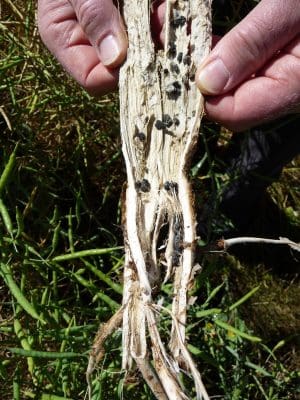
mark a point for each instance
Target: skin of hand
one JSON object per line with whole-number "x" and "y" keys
{"x": 88, "y": 38}
{"x": 251, "y": 76}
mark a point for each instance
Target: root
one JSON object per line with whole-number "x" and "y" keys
{"x": 98, "y": 350}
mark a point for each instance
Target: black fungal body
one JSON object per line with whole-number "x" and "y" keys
{"x": 173, "y": 90}
{"x": 159, "y": 124}
{"x": 177, "y": 242}
{"x": 177, "y": 85}
{"x": 137, "y": 185}
{"x": 141, "y": 136}
{"x": 174, "y": 68}
{"x": 167, "y": 120}
{"x": 171, "y": 52}
{"x": 143, "y": 185}
{"x": 178, "y": 21}
{"x": 169, "y": 185}
{"x": 179, "y": 57}
{"x": 176, "y": 121}
{"x": 187, "y": 60}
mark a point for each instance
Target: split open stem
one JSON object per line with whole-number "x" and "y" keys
{"x": 160, "y": 114}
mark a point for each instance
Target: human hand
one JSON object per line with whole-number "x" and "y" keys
{"x": 253, "y": 73}
{"x": 88, "y": 38}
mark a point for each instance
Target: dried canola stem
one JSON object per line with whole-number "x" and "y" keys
{"x": 160, "y": 113}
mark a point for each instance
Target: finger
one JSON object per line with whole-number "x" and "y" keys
{"x": 157, "y": 22}
{"x": 247, "y": 47}
{"x": 276, "y": 92}
{"x": 64, "y": 37}
{"x": 102, "y": 24}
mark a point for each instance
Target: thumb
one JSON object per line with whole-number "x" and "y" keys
{"x": 102, "y": 24}
{"x": 246, "y": 48}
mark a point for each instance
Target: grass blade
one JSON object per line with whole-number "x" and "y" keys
{"x": 244, "y": 298}
{"x": 46, "y": 396}
{"x": 205, "y": 313}
{"x": 24, "y": 343}
{"x": 103, "y": 277}
{"x": 86, "y": 253}
{"x": 260, "y": 370}
{"x": 6, "y": 218}
{"x": 236, "y": 331}
{"x": 8, "y": 170}
{"x": 17, "y": 293}
{"x": 213, "y": 294}
{"x": 53, "y": 355}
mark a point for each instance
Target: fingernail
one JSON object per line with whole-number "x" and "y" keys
{"x": 213, "y": 77}
{"x": 109, "y": 50}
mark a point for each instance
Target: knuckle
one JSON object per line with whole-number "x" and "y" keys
{"x": 250, "y": 38}
{"x": 88, "y": 13}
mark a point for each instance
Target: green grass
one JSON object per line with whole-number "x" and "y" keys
{"x": 61, "y": 175}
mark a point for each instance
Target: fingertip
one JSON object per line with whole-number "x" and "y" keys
{"x": 220, "y": 109}
{"x": 212, "y": 77}
{"x": 102, "y": 24}
{"x": 100, "y": 81}
{"x": 112, "y": 49}
{"x": 224, "y": 111}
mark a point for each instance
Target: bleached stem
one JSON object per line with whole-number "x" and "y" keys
{"x": 160, "y": 114}
{"x": 224, "y": 244}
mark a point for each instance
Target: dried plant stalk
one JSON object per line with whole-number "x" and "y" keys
{"x": 160, "y": 112}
